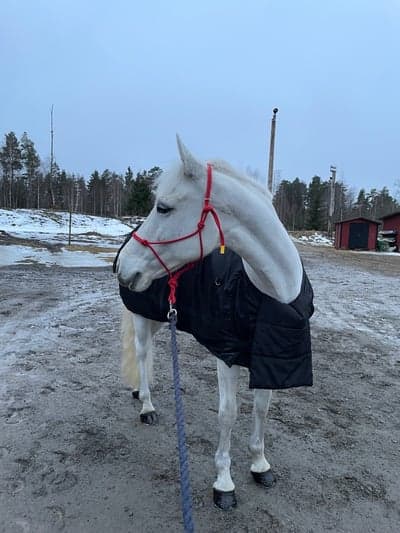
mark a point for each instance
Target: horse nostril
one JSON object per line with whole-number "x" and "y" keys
{"x": 134, "y": 281}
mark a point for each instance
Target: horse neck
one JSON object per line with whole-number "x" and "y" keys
{"x": 253, "y": 230}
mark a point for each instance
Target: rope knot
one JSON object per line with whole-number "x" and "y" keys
{"x": 200, "y": 225}
{"x": 208, "y": 208}
{"x": 173, "y": 284}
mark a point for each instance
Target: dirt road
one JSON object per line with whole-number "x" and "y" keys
{"x": 74, "y": 456}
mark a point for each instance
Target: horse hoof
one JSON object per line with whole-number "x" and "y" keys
{"x": 151, "y": 418}
{"x": 135, "y": 394}
{"x": 225, "y": 500}
{"x": 266, "y": 479}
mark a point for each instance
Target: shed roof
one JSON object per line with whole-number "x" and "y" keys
{"x": 359, "y": 218}
{"x": 395, "y": 213}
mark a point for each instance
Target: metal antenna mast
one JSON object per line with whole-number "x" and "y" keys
{"x": 51, "y": 142}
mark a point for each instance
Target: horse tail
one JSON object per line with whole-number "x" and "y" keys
{"x": 129, "y": 365}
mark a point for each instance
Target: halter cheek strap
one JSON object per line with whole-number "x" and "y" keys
{"x": 173, "y": 277}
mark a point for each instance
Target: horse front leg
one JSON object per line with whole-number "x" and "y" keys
{"x": 260, "y": 468}
{"x": 224, "y": 488}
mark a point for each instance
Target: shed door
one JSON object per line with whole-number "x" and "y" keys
{"x": 358, "y": 237}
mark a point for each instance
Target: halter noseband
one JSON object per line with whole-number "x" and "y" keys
{"x": 173, "y": 277}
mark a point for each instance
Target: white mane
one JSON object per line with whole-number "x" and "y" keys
{"x": 220, "y": 166}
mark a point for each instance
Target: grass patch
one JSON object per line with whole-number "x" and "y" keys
{"x": 93, "y": 249}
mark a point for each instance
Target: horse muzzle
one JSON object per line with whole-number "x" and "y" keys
{"x": 132, "y": 282}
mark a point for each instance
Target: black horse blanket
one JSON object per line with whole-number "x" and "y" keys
{"x": 221, "y": 308}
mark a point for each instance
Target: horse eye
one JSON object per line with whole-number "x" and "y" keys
{"x": 163, "y": 209}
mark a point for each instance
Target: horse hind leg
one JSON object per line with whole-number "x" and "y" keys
{"x": 137, "y": 360}
{"x": 260, "y": 468}
{"x": 224, "y": 488}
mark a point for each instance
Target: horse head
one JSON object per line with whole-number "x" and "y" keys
{"x": 177, "y": 212}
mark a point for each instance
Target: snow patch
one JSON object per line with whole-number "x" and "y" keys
{"x": 50, "y": 227}
{"x": 36, "y": 221}
{"x": 17, "y": 254}
{"x": 316, "y": 239}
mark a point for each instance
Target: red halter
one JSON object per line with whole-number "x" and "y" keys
{"x": 207, "y": 208}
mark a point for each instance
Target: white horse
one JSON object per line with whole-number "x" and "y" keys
{"x": 252, "y": 229}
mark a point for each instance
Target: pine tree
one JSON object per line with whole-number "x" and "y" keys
{"x": 104, "y": 193}
{"x": 343, "y": 202}
{"x": 153, "y": 174}
{"x": 81, "y": 195}
{"x": 141, "y": 199}
{"x": 382, "y": 203}
{"x": 50, "y": 186}
{"x": 116, "y": 190}
{"x": 11, "y": 161}
{"x": 281, "y": 202}
{"x": 128, "y": 179}
{"x": 290, "y": 203}
{"x": 128, "y": 183}
{"x": 298, "y": 195}
{"x": 362, "y": 206}
{"x": 31, "y": 163}
{"x": 93, "y": 192}
{"x": 315, "y": 204}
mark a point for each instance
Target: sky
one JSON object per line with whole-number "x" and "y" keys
{"x": 126, "y": 76}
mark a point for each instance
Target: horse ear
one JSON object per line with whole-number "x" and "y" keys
{"x": 191, "y": 167}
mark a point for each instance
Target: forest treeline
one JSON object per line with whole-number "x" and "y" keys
{"x": 301, "y": 206}
{"x": 28, "y": 182}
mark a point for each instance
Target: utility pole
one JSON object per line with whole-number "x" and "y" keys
{"x": 277, "y": 178}
{"x": 52, "y": 158}
{"x": 271, "y": 150}
{"x": 332, "y": 181}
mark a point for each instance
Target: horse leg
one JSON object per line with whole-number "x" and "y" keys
{"x": 137, "y": 360}
{"x": 260, "y": 468}
{"x": 144, "y": 351}
{"x": 224, "y": 488}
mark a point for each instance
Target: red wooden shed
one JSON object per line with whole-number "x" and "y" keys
{"x": 391, "y": 227}
{"x": 356, "y": 234}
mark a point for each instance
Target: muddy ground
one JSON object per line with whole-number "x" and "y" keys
{"x": 74, "y": 456}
